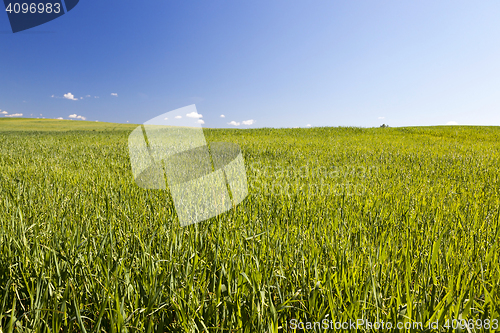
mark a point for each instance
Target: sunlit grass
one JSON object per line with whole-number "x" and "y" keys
{"x": 392, "y": 224}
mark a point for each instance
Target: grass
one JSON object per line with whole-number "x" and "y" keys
{"x": 380, "y": 224}
{"x": 56, "y": 125}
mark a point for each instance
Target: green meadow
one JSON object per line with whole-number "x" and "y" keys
{"x": 393, "y": 225}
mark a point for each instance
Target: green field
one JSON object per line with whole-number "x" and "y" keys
{"x": 381, "y": 224}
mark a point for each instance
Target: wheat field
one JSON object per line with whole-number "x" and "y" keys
{"x": 397, "y": 225}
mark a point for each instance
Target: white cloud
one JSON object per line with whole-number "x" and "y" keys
{"x": 52, "y": 96}
{"x": 81, "y": 97}
{"x": 234, "y": 123}
{"x": 14, "y": 115}
{"x": 201, "y": 121}
{"x": 75, "y": 116}
{"x": 87, "y": 96}
{"x": 4, "y": 112}
{"x": 222, "y": 116}
{"x": 178, "y": 117}
{"x": 381, "y": 117}
{"x": 96, "y": 96}
{"x": 114, "y": 94}
{"x": 70, "y": 96}
{"x": 60, "y": 118}
{"x": 452, "y": 123}
{"x": 248, "y": 122}
{"x": 194, "y": 114}
{"x": 308, "y": 125}
{"x": 166, "y": 118}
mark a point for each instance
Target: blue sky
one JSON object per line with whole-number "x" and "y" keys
{"x": 278, "y": 63}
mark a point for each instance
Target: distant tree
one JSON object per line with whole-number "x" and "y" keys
{"x": 384, "y": 125}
